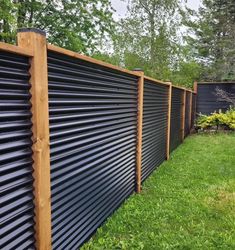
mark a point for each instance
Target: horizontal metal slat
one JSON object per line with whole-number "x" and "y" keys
{"x": 93, "y": 120}
{"x": 77, "y": 181}
{"x": 55, "y": 134}
{"x": 63, "y": 179}
{"x": 72, "y": 66}
{"x": 94, "y": 159}
{"x": 107, "y": 210}
{"x": 87, "y": 184}
{"x": 83, "y": 206}
{"x": 155, "y": 119}
{"x": 17, "y": 208}
{"x": 88, "y": 85}
{"x": 106, "y": 203}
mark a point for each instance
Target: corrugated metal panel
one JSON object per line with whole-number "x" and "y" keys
{"x": 187, "y": 114}
{"x": 154, "y": 126}
{"x": 17, "y": 209}
{"x": 93, "y": 123}
{"x": 193, "y": 114}
{"x": 207, "y": 101}
{"x": 176, "y": 118}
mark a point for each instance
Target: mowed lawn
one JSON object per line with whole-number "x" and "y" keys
{"x": 188, "y": 203}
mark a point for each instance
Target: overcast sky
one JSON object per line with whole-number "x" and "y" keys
{"x": 120, "y": 7}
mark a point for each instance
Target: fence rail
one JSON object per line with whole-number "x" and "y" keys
{"x": 78, "y": 136}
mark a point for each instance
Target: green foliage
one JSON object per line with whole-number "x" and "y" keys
{"x": 213, "y": 39}
{"x": 226, "y": 119}
{"x": 188, "y": 203}
{"x": 187, "y": 73}
{"x": 7, "y": 20}
{"x": 74, "y": 24}
{"x": 147, "y": 38}
{"x": 105, "y": 57}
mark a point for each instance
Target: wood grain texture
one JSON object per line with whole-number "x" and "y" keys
{"x": 41, "y": 149}
{"x": 190, "y": 109}
{"x": 15, "y": 49}
{"x": 169, "y": 122}
{"x": 195, "y": 87}
{"x": 139, "y": 131}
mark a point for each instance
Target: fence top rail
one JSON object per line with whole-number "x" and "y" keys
{"x": 157, "y": 81}
{"x": 178, "y": 87}
{"x": 183, "y": 88}
{"x": 15, "y": 49}
{"x": 228, "y": 82}
{"x": 70, "y": 53}
{"x": 190, "y": 90}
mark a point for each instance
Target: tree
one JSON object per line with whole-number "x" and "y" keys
{"x": 148, "y": 38}
{"x": 7, "y": 21}
{"x": 213, "y": 37}
{"x": 73, "y": 24}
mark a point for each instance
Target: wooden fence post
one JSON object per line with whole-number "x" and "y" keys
{"x": 183, "y": 113}
{"x": 169, "y": 122}
{"x": 139, "y": 131}
{"x": 190, "y": 110}
{"x": 35, "y": 40}
{"x": 195, "y": 86}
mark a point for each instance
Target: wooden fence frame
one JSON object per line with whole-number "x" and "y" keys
{"x": 32, "y": 43}
{"x": 139, "y": 131}
{"x": 190, "y": 109}
{"x": 183, "y": 109}
{"x": 169, "y": 122}
{"x": 35, "y": 41}
{"x": 169, "y": 85}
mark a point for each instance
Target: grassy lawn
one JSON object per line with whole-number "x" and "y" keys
{"x": 188, "y": 203}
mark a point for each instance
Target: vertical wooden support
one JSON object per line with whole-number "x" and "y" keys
{"x": 190, "y": 109}
{"x": 35, "y": 40}
{"x": 168, "y": 122}
{"x": 139, "y": 131}
{"x": 195, "y": 86}
{"x": 183, "y": 114}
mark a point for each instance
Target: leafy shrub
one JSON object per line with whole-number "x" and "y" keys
{"x": 226, "y": 120}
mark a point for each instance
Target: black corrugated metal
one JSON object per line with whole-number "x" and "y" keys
{"x": 17, "y": 209}
{"x": 176, "y": 118}
{"x": 193, "y": 113}
{"x": 93, "y": 122}
{"x": 187, "y": 114}
{"x": 154, "y": 126}
{"x": 207, "y": 101}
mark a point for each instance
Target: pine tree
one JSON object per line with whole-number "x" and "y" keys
{"x": 215, "y": 39}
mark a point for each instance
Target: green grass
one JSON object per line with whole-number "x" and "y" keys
{"x": 188, "y": 203}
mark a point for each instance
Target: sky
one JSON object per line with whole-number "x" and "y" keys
{"x": 121, "y": 7}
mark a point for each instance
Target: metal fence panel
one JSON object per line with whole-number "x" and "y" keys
{"x": 208, "y": 102}
{"x": 155, "y": 117}
{"x": 93, "y": 122}
{"x": 176, "y": 118}
{"x": 187, "y": 114}
{"x": 17, "y": 209}
{"x": 193, "y": 113}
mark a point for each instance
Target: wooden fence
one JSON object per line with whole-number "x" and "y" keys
{"x": 78, "y": 136}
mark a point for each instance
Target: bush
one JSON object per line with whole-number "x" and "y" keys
{"x": 225, "y": 120}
